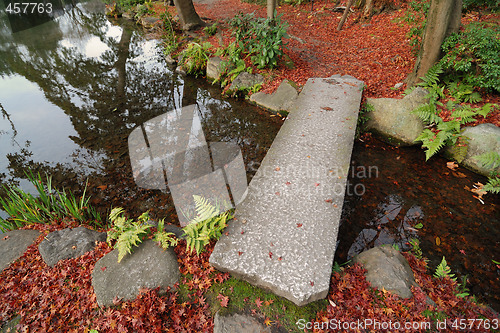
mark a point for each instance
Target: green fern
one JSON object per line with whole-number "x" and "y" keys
{"x": 427, "y": 113}
{"x": 207, "y": 225}
{"x": 126, "y": 232}
{"x": 432, "y": 142}
{"x": 465, "y": 115}
{"x": 485, "y": 110}
{"x": 443, "y": 270}
{"x": 493, "y": 185}
{"x": 490, "y": 159}
{"x": 164, "y": 239}
{"x": 432, "y": 76}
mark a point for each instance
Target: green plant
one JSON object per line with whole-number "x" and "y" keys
{"x": 127, "y": 232}
{"x": 211, "y": 29}
{"x": 416, "y": 16}
{"x": 415, "y": 248}
{"x": 207, "y": 225}
{"x": 363, "y": 118}
{"x": 469, "y": 5}
{"x": 440, "y": 132}
{"x": 261, "y": 38}
{"x": 443, "y": 271}
{"x": 25, "y": 208}
{"x": 194, "y": 58}
{"x": 164, "y": 239}
{"x": 472, "y": 56}
{"x": 170, "y": 40}
{"x": 491, "y": 160}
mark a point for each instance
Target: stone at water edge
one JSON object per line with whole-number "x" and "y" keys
{"x": 238, "y": 323}
{"x": 245, "y": 80}
{"x": 387, "y": 268}
{"x": 13, "y": 244}
{"x": 214, "y": 68}
{"x": 69, "y": 243}
{"x": 149, "y": 266}
{"x": 281, "y": 100}
{"x": 484, "y": 138}
{"x": 284, "y": 235}
{"x": 391, "y": 118}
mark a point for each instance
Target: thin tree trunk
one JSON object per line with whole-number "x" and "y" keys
{"x": 346, "y": 11}
{"x": 367, "y": 12}
{"x": 188, "y": 17}
{"x": 443, "y": 19}
{"x": 271, "y": 7}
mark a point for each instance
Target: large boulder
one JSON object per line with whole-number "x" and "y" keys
{"x": 281, "y": 100}
{"x": 484, "y": 138}
{"x": 238, "y": 323}
{"x": 392, "y": 120}
{"x": 388, "y": 269}
{"x": 68, "y": 243}
{"x": 13, "y": 244}
{"x": 148, "y": 266}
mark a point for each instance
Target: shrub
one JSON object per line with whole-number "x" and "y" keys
{"x": 477, "y": 4}
{"x": 261, "y": 38}
{"x": 194, "y": 58}
{"x": 473, "y": 56}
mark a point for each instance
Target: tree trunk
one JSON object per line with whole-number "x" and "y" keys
{"x": 443, "y": 19}
{"x": 344, "y": 16}
{"x": 271, "y": 7}
{"x": 367, "y": 11}
{"x": 188, "y": 17}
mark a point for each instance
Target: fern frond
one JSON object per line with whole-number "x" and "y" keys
{"x": 165, "y": 239}
{"x": 465, "y": 115}
{"x": 433, "y": 142}
{"x": 204, "y": 209}
{"x": 489, "y": 160}
{"x": 493, "y": 185}
{"x": 485, "y": 110}
{"x": 128, "y": 239}
{"x": 432, "y": 76}
{"x": 452, "y": 126}
{"x": 427, "y": 113}
{"x": 443, "y": 270}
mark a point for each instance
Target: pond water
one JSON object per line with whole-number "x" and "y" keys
{"x": 74, "y": 88}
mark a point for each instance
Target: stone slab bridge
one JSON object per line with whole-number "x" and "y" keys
{"x": 284, "y": 234}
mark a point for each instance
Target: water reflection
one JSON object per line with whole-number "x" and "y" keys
{"x": 73, "y": 89}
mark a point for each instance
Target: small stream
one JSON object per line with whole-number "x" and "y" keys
{"x": 75, "y": 86}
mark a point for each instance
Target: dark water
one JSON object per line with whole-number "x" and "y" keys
{"x": 409, "y": 191}
{"x": 73, "y": 89}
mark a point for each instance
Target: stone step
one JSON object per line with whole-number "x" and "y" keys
{"x": 284, "y": 234}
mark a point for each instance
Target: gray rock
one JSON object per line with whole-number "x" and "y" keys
{"x": 68, "y": 243}
{"x": 214, "y": 68}
{"x": 284, "y": 235}
{"x": 170, "y": 61}
{"x": 149, "y": 22}
{"x": 180, "y": 70}
{"x": 398, "y": 85}
{"x": 13, "y": 244}
{"x": 388, "y": 269}
{"x": 282, "y": 99}
{"x": 245, "y": 80}
{"x": 237, "y": 323}
{"x": 10, "y": 326}
{"x": 484, "y": 138}
{"x": 148, "y": 266}
{"x": 391, "y": 118}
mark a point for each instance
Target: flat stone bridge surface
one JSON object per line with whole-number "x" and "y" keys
{"x": 284, "y": 234}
